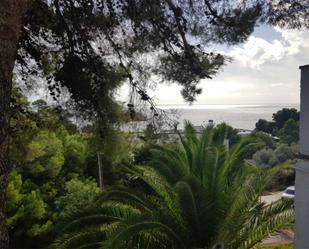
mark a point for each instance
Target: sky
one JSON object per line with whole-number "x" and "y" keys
{"x": 264, "y": 70}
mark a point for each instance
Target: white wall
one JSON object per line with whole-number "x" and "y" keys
{"x": 302, "y": 169}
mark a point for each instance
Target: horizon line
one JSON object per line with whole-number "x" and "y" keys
{"x": 252, "y": 104}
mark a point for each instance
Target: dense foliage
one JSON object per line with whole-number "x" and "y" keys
{"x": 285, "y": 125}
{"x": 55, "y": 167}
{"x": 199, "y": 195}
{"x": 280, "y": 137}
{"x": 60, "y": 35}
{"x": 268, "y": 157}
{"x": 87, "y": 48}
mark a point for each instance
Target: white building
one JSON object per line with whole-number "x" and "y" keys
{"x": 302, "y": 169}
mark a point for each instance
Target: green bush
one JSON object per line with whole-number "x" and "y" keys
{"x": 265, "y": 158}
{"x": 27, "y": 211}
{"x": 289, "y": 132}
{"x": 78, "y": 194}
{"x": 285, "y": 152}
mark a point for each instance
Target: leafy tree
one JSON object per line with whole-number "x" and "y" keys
{"x": 52, "y": 117}
{"x": 282, "y": 116}
{"x": 60, "y": 39}
{"x": 266, "y": 138}
{"x": 231, "y": 134}
{"x": 27, "y": 211}
{"x": 24, "y": 127}
{"x": 270, "y": 157}
{"x": 45, "y": 155}
{"x": 289, "y": 132}
{"x": 47, "y": 151}
{"x": 284, "y": 152}
{"x": 203, "y": 195}
{"x": 117, "y": 148}
{"x": 76, "y": 150}
{"x": 78, "y": 194}
{"x": 50, "y": 163}
{"x": 289, "y": 14}
{"x": 265, "y": 158}
{"x": 265, "y": 126}
{"x": 284, "y": 124}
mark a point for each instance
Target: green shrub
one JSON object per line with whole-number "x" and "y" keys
{"x": 78, "y": 194}
{"x": 265, "y": 158}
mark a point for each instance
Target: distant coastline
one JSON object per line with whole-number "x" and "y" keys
{"x": 239, "y": 116}
{"x": 223, "y": 106}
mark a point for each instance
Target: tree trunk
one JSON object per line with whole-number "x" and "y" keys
{"x": 11, "y": 12}
{"x": 100, "y": 172}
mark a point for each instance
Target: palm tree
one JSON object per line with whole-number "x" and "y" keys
{"x": 202, "y": 195}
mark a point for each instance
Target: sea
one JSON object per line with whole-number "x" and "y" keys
{"x": 238, "y": 116}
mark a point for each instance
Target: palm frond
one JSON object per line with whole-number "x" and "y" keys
{"x": 202, "y": 194}
{"x": 130, "y": 229}
{"x": 189, "y": 207}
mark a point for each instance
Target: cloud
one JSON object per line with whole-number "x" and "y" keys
{"x": 264, "y": 70}
{"x": 258, "y": 51}
{"x": 296, "y": 40}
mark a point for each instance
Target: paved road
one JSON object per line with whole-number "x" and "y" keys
{"x": 271, "y": 198}
{"x": 282, "y": 237}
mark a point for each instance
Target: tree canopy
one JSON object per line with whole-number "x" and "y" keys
{"x": 90, "y": 46}
{"x": 285, "y": 125}
{"x": 199, "y": 195}
{"x": 54, "y": 170}
{"x": 282, "y": 116}
{"x": 86, "y": 48}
